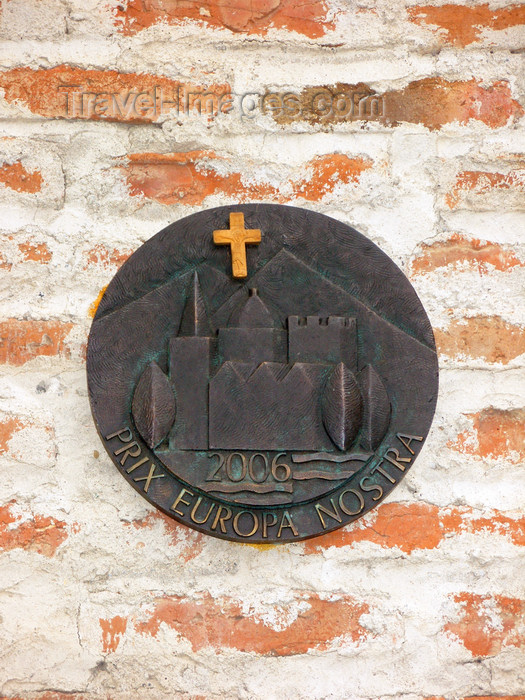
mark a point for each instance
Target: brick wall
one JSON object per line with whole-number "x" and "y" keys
{"x": 102, "y": 597}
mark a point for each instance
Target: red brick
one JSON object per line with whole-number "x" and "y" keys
{"x": 38, "y": 534}
{"x": 488, "y": 623}
{"x": 407, "y": 527}
{"x": 461, "y": 25}
{"x": 495, "y": 433}
{"x": 112, "y": 632}
{"x": 307, "y": 18}
{"x": 432, "y": 102}
{"x": 22, "y": 451}
{"x": 42, "y": 92}
{"x": 221, "y": 624}
{"x": 16, "y": 177}
{"x": 21, "y": 341}
{"x": 189, "y": 178}
{"x": 479, "y": 182}
{"x": 327, "y": 172}
{"x": 489, "y": 338}
{"x": 101, "y": 255}
{"x": 9, "y": 425}
{"x": 29, "y": 250}
{"x": 37, "y": 252}
{"x": 459, "y": 251}
{"x": 418, "y": 526}
{"x": 497, "y": 524}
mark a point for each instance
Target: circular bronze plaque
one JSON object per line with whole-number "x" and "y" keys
{"x": 262, "y": 373}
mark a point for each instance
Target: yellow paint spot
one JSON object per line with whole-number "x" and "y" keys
{"x": 94, "y": 306}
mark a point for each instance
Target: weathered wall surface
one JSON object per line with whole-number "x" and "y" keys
{"x": 101, "y": 596}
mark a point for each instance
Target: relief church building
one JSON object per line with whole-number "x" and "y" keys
{"x": 254, "y": 385}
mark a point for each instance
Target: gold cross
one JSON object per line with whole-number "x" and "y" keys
{"x": 237, "y": 237}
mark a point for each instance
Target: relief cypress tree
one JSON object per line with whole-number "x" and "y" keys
{"x": 376, "y": 413}
{"x": 153, "y": 407}
{"x": 342, "y": 406}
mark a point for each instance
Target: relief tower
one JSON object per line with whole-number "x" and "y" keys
{"x": 191, "y": 353}
{"x": 254, "y": 385}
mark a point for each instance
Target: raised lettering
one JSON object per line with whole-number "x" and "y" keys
{"x": 397, "y": 459}
{"x": 193, "y": 514}
{"x": 237, "y": 467}
{"x": 402, "y": 439}
{"x": 214, "y": 475}
{"x": 236, "y": 523}
{"x": 127, "y": 450}
{"x": 251, "y": 468}
{"x": 230, "y": 472}
{"x": 359, "y": 498}
{"x": 148, "y": 479}
{"x": 266, "y": 522}
{"x": 221, "y": 519}
{"x": 119, "y": 435}
{"x": 379, "y": 468}
{"x": 286, "y": 521}
{"x": 136, "y": 465}
{"x": 371, "y": 487}
{"x": 180, "y": 499}
{"x": 285, "y": 472}
{"x": 333, "y": 514}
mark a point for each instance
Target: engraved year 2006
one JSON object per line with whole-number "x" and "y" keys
{"x": 236, "y": 467}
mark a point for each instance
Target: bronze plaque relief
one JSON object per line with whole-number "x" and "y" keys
{"x": 262, "y": 373}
